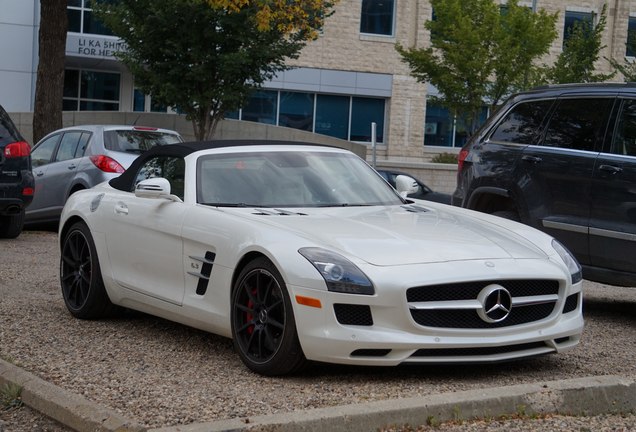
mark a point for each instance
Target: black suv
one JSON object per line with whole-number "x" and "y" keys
{"x": 562, "y": 159}
{"x": 16, "y": 179}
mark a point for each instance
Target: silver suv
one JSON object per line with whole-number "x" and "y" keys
{"x": 81, "y": 157}
{"x": 562, "y": 159}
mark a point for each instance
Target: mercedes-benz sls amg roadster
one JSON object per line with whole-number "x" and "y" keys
{"x": 303, "y": 253}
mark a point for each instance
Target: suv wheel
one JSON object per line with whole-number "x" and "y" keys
{"x": 11, "y": 225}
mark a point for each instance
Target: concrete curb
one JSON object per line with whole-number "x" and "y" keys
{"x": 580, "y": 396}
{"x": 68, "y": 408}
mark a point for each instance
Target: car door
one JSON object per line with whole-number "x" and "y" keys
{"x": 613, "y": 210}
{"x": 41, "y": 157}
{"x": 143, "y": 236}
{"x": 555, "y": 177}
{"x": 55, "y": 179}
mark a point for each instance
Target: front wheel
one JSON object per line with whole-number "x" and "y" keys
{"x": 80, "y": 276}
{"x": 263, "y": 326}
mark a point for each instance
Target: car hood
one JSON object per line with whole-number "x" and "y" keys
{"x": 401, "y": 234}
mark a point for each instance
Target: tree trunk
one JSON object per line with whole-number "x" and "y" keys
{"x": 49, "y": 87}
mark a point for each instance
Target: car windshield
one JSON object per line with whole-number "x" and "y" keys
{"x": 290, "y": 179}
{"x": 137, "y": 141}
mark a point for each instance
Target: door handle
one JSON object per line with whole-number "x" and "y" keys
{"x": 71, "y": 167}
{"x": 39, "y": 173}
{"x": 121, "y": 208}
{"x": 610, "y": 169}
{"x": 531, "y": 159}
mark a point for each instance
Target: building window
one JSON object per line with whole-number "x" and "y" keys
{"x": 630, "y": 50}
{"x": 442, "y": 129}
{"x": 261, "y": 107}
{"x": 82, "y": 20}
{"x": 332, "y": 115}
{"x": 365, "y": 111}
{"x": 91, "y": 90}
{"x": 319, "y": 113}
{"x": 297, "y": 110}
{"x": 378, "y": 17}
{"x": 584, "y": 20}
{"x": 144, "y": 103}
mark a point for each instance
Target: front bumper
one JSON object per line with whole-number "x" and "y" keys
{"x": 381, "y": 329}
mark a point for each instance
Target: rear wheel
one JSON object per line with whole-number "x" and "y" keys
{"x": 11, "y": 225}
{"x": 263, "y": 326}
{"x": 80, "y": 276}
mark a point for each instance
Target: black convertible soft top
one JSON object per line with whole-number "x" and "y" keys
{"x": 126, "y": 181}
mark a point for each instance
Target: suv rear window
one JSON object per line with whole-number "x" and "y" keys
{"x": 521, "y": 125}
{"x": 137, "y": 141}
{"x": 8, "y": 131}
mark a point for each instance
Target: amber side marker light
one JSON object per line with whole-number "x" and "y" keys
{"x": 308, "y": 301}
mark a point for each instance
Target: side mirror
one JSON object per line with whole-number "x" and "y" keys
{"x": 406, "y": 185}
{"x": 157, "y": 187}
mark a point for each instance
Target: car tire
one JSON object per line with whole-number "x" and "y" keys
{"x": 508, "y": 214}
{"x": 11, "y": 225}
{"x": 80, "y": 275}
{"x": 263, "y": 326}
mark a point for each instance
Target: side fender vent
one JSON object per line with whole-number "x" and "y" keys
{"x": 206, "y": 270}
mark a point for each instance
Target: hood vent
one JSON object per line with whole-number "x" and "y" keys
{"x": 277, "y": 212}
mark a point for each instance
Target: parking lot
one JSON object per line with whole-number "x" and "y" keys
{"x": 165, "y": 374}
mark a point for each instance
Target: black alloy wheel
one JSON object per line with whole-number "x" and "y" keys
{"x": 263, "y": 324}
{"x": 80, "y": 276}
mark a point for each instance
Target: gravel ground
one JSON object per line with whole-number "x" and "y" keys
{"x": 165, "y": 374}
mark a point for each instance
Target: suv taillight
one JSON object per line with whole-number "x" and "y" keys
{"x": 460, "y": 159}
{"x": 107, "y": 164}
{"x": 17, "y": 149}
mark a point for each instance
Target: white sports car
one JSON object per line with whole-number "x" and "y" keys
{"x": 303, "y": 252}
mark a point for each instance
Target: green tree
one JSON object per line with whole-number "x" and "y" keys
{"x": 576, "y": 63}
{"x": 479, "y": 51}
{"x": 202, "y": 60}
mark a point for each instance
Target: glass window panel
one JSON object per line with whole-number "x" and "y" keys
{"x": 74, "y": 20}
{"x": 98, "y": 106}
{"x": 521, "y": 125}
{"x": 332, "y": 116}
{"x": 438, "y": 128}
{"x": 69, "y": 104}
{"x": 139, "y": 101}
{"x": 41, "y": 155}
{"x": 261, "y": 107}
{"x": 83, "y": 143}
{"x": 157, "y": 107}
{"x": 578, "y": 123}
{"x": 71, "y": 83}
{"x": 73, "y": 3}
{"x": 68, "y": 146}
{"x": 585, "y": 19}
{"x": 625, "y": 140}
{"x": 94, "y": 26}
{"x": 377, "y": 17}
{"x": 234, "y": 115}
{"x": 100, "y": 85}
{"x": 631, "y": 37}
{"x": 365, "y": 111}
{"x": 296, "y": 110}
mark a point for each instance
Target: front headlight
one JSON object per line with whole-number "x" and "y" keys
{"x": 340, "y": 274}
{"x": 573, "y": 265}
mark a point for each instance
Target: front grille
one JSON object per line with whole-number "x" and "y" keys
{"x": 483, "y": 351}
{"x": 460, "y": 318}
{"x": 470, "y": 290}
{"x": 534, "y": 306}
{"x": 349, "y": 314}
